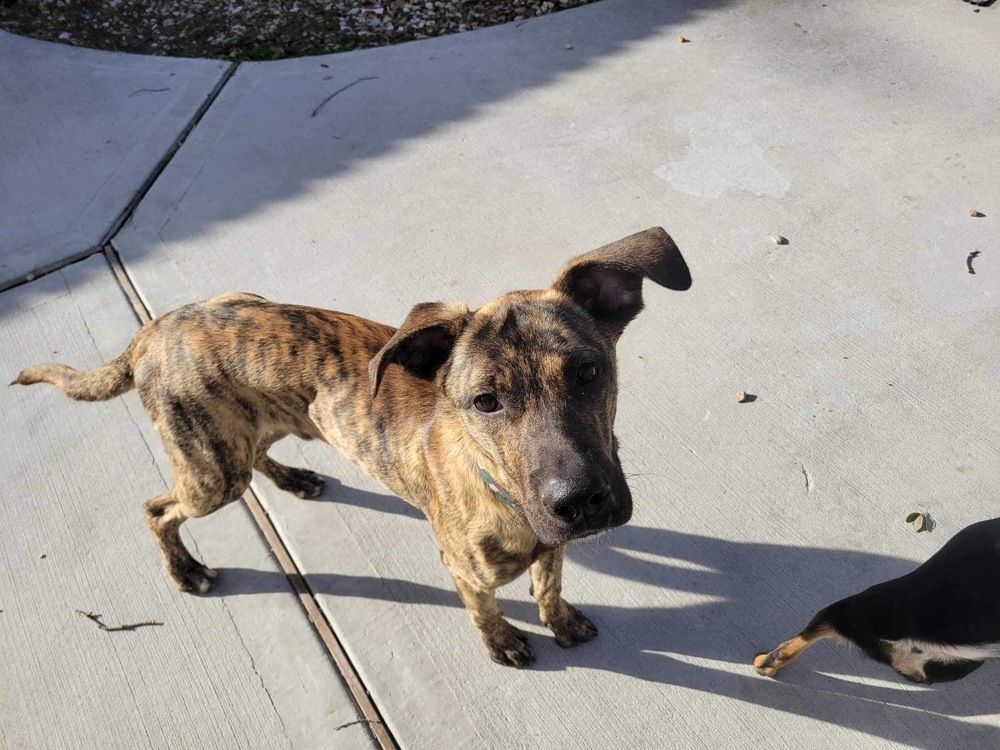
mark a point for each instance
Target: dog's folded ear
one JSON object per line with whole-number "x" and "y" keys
{"x": 607, "y": 282}
{"x": 423, "y": 343}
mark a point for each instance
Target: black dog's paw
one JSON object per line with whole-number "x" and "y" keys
{"x": 300, "y": 482}
{"x": 510, "y": 648}
{"x": 768, "y": 663}
{"x": 572, "y": 627}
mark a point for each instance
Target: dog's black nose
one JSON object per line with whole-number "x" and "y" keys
{"x": 572, "y": 503}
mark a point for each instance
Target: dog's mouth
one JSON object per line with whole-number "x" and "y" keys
{"x": 553, "y": 530}
{"x": 617, "y": 515}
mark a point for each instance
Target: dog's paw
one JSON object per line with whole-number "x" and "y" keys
{"x": 301, "y": 483}
{"x": 768, "y": 663}
{"x": 571, "y": 627}
{"x": 511, "y": 649}
{"x": 195, "y": 578}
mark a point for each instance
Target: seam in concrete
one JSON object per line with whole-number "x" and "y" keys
{"x": 307, "y": 599}
{"x": 253, "y": 665}
{"x": 126, "y": 215}
{"x": 50, "y": 268}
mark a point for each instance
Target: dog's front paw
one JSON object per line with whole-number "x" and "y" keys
{"x": 571, "y": 627}
{"x": 768, "y": 663}
{"x": 510, "y": 648}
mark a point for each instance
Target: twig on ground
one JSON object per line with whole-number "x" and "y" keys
{"x": 113, "y": 628}
{"x": 338, "y": 91}
{"x": 147, "y": 91}
{"x": 359, "y": 721}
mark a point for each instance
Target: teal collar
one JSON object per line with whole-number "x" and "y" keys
{"x": 495, "y": 487}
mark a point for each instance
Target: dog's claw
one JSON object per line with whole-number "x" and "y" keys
{"x": 572, "y": 628}
{"x": 512, "y": 650}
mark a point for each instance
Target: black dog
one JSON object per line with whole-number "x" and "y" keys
{"x": 936, "y": 624}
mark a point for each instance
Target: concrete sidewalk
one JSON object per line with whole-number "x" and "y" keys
{"x": 464, "y": 166}
{"x": 80, "y": 132}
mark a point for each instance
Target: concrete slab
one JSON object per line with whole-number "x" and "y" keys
{"x": 474, "y": 164}
{"x": 80, "y": 131}
{"x": 225, "y": 671}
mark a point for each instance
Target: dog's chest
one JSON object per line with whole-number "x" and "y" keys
{"x": 496, "y": 560}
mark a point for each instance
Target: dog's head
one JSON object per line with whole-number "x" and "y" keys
{"x": 532, "y": 376}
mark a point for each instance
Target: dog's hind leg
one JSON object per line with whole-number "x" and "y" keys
{"x": 300, "y": 482}
{"x": 768, "y": 664}
{"x": 211, "y": 462}
{"x": 164, "y": 517}
{"x": 567, "y": 623}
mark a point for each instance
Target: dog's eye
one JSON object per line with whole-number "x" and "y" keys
{"x": 586, "y": 373}
{"x": 486, "y": 403}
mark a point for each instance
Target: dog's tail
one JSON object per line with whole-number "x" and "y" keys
{"x": 107, "y": 381}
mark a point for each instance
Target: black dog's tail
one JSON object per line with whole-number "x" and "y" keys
{"x": 99, "y": 384}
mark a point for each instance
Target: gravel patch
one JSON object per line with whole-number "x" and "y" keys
{"x": 256, "y": 29}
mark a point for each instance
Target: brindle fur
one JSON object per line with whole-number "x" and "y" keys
{"x": 223, "y": 379}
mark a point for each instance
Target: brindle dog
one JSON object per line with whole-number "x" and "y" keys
{"x": 497, "y": 423}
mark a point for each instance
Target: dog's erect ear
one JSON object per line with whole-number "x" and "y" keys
{"x": 423, "y": 343}
{"x": 607, "y": 282}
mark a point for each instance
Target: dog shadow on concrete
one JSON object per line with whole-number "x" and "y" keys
{"x": 734, "y": 599}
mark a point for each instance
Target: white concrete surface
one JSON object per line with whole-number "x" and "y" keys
{"x": 80, "y": 131}
{"x": 863, "y": 132}
{"x": 223, "y": 671}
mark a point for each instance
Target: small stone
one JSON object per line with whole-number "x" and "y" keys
{"x": 740, "y": 396}
{"x": 777, "y": 239}
{"x": 683, "y": 39}
{"x": 920, "y": 521}
{"x": 42, "y": 556}
{"x": 30, "y": 277}
{"x": 975, "y": 214}
{"x": 569, "y": 46}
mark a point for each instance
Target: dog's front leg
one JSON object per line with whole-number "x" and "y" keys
{"x": 569, "y": 624}
{"x": 506, "y": 644}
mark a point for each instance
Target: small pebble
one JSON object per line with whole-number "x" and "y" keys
{"x": 740, "y": 396}
{"x": 920, "y": 522}
{"x": 974, "y": 213}
{"x": 30, "y": 277}
{"x": 569, "y": 46}
{"x": 42, "y": 556}
{"x": 683, "y": 39}
{"x": 777, "y": 239}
